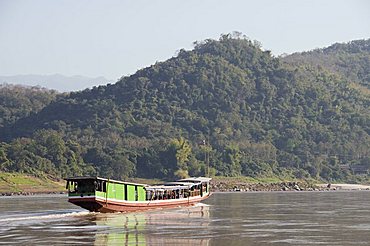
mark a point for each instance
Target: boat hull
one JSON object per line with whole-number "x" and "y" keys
{"x": 98, "y": 204}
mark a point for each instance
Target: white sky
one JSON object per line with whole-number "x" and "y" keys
{"x": 116, "y": 38}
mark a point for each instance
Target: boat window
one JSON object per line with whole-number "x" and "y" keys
{"x": 136, "y": 193}
{"x": 148, "y": 195}
{"x": 82, "y": 186}
{"x": 100, "y": 185}
{"x": 186, "y": 193}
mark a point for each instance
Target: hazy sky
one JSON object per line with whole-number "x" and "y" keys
{"x": 116, "y": 38}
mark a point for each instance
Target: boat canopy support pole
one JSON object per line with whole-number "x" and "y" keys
{"x": 106, "y": 194}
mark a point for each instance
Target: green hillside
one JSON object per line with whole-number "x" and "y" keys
{"x": 18, "y": 102}
{"x": 259, "y": 115}
{"x": 25, "y": 184}
{"x": 350, "y": 60}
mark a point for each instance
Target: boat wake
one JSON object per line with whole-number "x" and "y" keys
{"x": 201, "y": 205}
{"x": 46, "y": 217}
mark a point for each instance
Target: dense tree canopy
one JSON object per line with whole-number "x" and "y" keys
{"x": 18, "y": 102}
{"x": 227, "y": 100}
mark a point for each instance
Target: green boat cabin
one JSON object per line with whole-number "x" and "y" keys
{"x": 126, "y": 191}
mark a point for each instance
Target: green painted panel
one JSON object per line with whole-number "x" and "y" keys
{"x": 74, "y": 194}
{"x": 131, "y": 193}
{"x": 100, "y": 194}
{"x": 141, "y": 193}
{"x": 115, "y": 191}
{"x": 120, "y": 192}
{"x": 111, "y": 190}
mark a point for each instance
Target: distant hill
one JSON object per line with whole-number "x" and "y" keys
{"x": 17, "y": 102}
{"x": 57, "y": 82}
{"x": 350, "y": 60}
{"x": 253, "y": 114}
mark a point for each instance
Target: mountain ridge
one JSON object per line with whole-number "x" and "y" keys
{"x": 259, "y": 116}
{"x": 56, "y": 81}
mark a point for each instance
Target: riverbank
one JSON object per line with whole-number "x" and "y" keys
{"x": 249, "y": 185}
{"x": 12, "y": 184}
{"x": 21, "y": 184}
{"x": 229, "y": 185}
{"x": 344, "y": 186}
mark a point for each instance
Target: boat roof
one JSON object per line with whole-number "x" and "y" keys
{"x": 99, "y": 178}
{"x": 166, "y": 187}
{"x": 186, "y": 183}
{"x": 196, "y": 179}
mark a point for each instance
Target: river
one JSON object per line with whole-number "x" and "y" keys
{"x": 274, "y": 218}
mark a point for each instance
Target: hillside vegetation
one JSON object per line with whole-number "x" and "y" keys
{"x": 16, "y": 183}
{"x": 350, "y": 60}
{"x": 18, "y": 102}
{"x": 228, "y": 100}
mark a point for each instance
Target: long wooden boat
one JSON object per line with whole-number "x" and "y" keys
{"x": 106, "y": 195}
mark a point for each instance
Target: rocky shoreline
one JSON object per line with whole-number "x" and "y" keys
{"x": 229, "y": 186}
{"x": 30, "y": 193}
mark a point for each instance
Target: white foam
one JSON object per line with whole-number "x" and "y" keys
{"x": 48, "y": 216}
{"x": 201, "y": 205}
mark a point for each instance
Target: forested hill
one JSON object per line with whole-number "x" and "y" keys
{"x": 351, "y": 60}
{"x": 18, "y": 101}
{"x": 258, "y": 115}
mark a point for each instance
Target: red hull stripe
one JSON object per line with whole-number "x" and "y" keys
{"x": 99, "y": 204}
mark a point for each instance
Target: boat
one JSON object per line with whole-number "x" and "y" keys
{"x": 98, "y": 194}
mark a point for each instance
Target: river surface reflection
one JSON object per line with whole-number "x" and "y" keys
{"x": 280, "y": 218}
{"x": 156, "y": 227}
